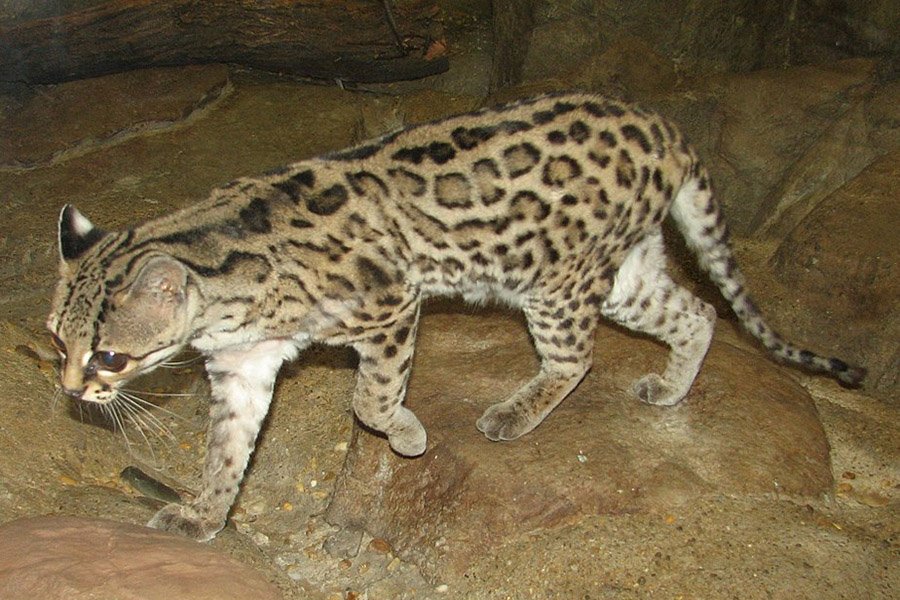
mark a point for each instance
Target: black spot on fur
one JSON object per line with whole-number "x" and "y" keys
{"x": 255, "y": 216}
{"x": 602, "y": 160}
{"x": 579, "y": 132}
{"x": 231, "y": 262}
{"x": 594, "y": 109}
{"x": 526, "y": 203}
{"x": 837, "y": 365}
{"x": 301, "y": 223}
{"x": 414, "y": 155}
{"x": 608, "y": 138}
{"x": 468, "y": 138}
{"x": 532, "y": 156}
{"x": 342, "y": 281}
{"x": 625, "y": 171}
{"x": 401, "y": 334}
{"x": 358, "y": 153}
{"x": 360, "y": 181}
{"x": 559, "y": 170}
{"x": 561, "y": 108}
{"x": 415, "y": 181}
{"x": 441, "y": 152}
{"x": 556, "y": 137}
{"x": 542, "y": 117}
{"x": 657, "y": 180}
{"x": 658, "y": 138}
{"x": 635, "y": 134}
{"x": 305, "y": 178}
{"x": 614, "y": 109}
{"x": 513, "y": 127}
{"x": 328, "y": 202}
{"x": 372, "y": 275}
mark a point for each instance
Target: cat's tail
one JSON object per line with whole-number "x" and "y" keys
{"x": 700, "y": 219}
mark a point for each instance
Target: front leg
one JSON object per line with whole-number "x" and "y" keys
{"x": 385, "y": 359}
{"x": 242, "y": 382}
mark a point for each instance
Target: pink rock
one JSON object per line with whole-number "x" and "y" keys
{"x": 73, "y": 558}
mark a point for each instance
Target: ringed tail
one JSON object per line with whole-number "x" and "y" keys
{"x": 701, "y": 221}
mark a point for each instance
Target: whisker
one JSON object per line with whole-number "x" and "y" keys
{"x": 54, "y": 401}
{"x": 146, "y": 404}
{"x": 111, "y": 411}
{"x": 139, "y": 424}
{"x": 161, "y": 394}
{"x": 144, "y": 416}
{"x": 174, "y": 364}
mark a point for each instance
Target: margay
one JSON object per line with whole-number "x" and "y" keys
{"x": 552, "y": 205}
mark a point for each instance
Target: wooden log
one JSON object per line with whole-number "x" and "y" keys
{"x": 353, "y": 40}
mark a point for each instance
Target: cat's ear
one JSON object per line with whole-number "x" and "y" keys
{"x": 162, "y": 280}
{"x": 77, "y": 234}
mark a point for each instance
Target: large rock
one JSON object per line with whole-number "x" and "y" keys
{"x": 745, "y": 428}
{"x": 841, "y": 262}
{"x": 869, "y": 129}
{"x": 51, "y": 123}
{"x": 70, "y": 558}
{"x": 762, "y": 138}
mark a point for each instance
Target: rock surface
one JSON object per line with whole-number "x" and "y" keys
{"x": 842, "y": 261}
{"x": 745, "y": 429}
{"x": 71, "y": 558}
{"x": 82, "y": 124}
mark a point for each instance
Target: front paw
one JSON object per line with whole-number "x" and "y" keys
{"x": 411, "y": 443}
{"x": 186, "y": 521}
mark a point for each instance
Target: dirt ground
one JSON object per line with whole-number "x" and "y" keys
{"x": 56, "y": 458}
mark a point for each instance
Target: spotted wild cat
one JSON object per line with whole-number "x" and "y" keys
{"x": 552, "y": 205}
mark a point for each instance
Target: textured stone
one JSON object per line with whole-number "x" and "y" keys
{"x": 66, "y": 120}
{"x": 745, "y": 428}
{"x": 841, "y": 263}
{"x": 772, "y": 117}
{"x": 70, "y": 558}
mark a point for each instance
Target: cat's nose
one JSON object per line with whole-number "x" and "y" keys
{"x": 73, "y": 393}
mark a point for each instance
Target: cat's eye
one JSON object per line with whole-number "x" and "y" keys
{"x": 57, "y": 344}
{"x": 110, "y": 361}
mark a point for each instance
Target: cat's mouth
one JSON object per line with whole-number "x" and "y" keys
{"x": 92, "y": 394}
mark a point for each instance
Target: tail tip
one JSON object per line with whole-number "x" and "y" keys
{"x": 847, "y": 375}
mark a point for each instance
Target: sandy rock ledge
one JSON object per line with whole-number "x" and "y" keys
{"x": 745, "y": 428}
{"x": 71, "y": 558}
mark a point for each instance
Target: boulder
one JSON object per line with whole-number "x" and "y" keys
{"x": 71, "y": 558}
{"x": 745, "y": 428}
{"x": 840, "y": 263}
{"x": 52, "y": 123}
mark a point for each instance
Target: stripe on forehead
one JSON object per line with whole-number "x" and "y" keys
{"x": 92, "y": 269}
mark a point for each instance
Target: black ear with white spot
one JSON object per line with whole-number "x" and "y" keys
{"x": 77, "y": 234}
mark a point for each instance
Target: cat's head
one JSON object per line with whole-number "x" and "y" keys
{"x": 119, "y": 309}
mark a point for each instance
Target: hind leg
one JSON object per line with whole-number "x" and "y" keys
{"x": 645, "y": 299}
{"x": 564, "y": 340}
